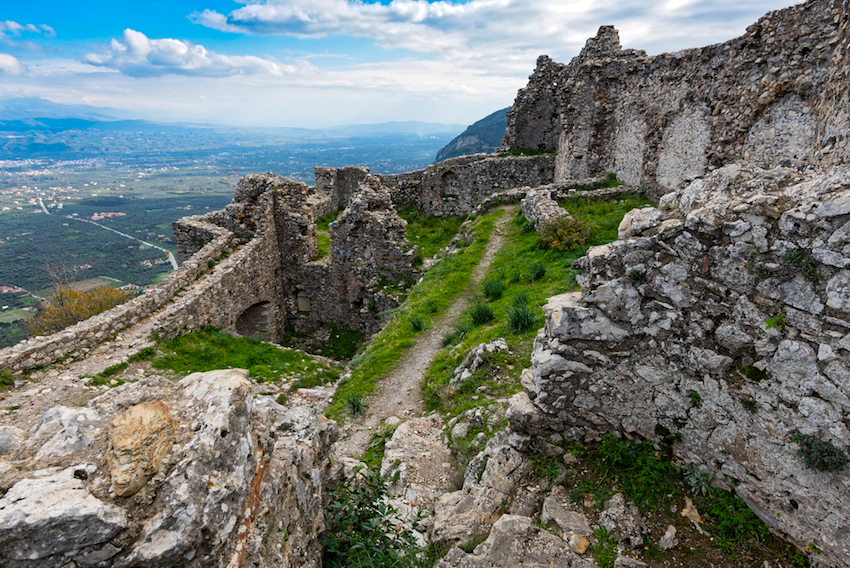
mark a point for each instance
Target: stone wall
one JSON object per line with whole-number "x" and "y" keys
{"x": 193, "y": 473}
{"x": 778, "y": 93}
{"x": 671, "y": 335}
{"x": 40, "y": 351}
{"x": 457, "y": 185}
{"x": 369, "y": 252}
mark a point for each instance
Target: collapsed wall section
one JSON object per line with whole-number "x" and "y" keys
{"x": 772, "y": 95}
{"x": 369, "y": 257}
{"x": 723, "y": 329}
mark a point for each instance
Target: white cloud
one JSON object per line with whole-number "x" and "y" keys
{"x": 139, "y": 56}
{"x": 558, "y": 27}
{"x": 9, "y": 65}
{"x": 11, "y": 34}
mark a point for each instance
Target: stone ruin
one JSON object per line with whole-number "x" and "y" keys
{"x": 251, "y": 267}
{"x": 745, "y": 146}
{"x": 776, "y": 94}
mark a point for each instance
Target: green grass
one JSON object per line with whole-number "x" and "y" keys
{"x": 430, "y": 234}
{"x": 646, "y": 476}
{"x": 211, "y": 349}
{"x": 377, "y": 445}
{"x": 551, "y": 274}
{"x": 427, "y": 300}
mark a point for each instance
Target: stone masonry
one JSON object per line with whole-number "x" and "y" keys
{"x": 777, "y": 93}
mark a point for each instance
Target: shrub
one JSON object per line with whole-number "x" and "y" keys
{"x": 69, "y": 306}
{"x": 7, "y": 380}
{"x": 481, "y": 314}
{"x": 364, "y": 530}
{"x": 493, "y": 288}
{"x": 355, "y": 405}
{"x": 698, "y": 479}
{"x": 565, "y": 233}
{"x": 819, "y": 453}
{"x": 695, "y": 398}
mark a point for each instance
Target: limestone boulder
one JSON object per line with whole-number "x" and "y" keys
{"x": 517, "y": 541}
{"x": 51, "y": 517}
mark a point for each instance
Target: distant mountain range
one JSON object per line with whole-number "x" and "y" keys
{"x": 483, "y": 136}
{"x": 32, "y": 127}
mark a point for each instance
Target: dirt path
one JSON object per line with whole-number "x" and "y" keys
{"x": 400, "y": 393}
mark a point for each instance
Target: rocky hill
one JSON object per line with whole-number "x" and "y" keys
{"x": 578, "y": 379}
{"x": 482, "y": 137}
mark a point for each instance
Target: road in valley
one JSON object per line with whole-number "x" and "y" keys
{"x": 171, "y": 258}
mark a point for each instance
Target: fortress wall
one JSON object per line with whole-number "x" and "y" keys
{"x": 40, "y": 351}
{"x": 457, "y": 185}
{"x": 247, "y": 277}
{"x": 772, "y": 95}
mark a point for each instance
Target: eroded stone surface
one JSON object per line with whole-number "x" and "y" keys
{"x": 139, "y": 438}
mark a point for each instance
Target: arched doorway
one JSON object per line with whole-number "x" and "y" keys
{"x": 256, "y": 321}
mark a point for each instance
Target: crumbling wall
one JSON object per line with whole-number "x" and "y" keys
{"x": 723, "y": 329}
{"x": 334, "y": 187}
{"x": 455, "y": 186}
{"x": 777, "y": 93}
{"x": 369, "y": 251}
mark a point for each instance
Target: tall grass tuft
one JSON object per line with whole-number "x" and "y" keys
{"x": 521, "y": 317}
{"x": 480, "y": 314}
{"x": 494, "y": 288}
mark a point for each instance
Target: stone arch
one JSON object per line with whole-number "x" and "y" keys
{"x": 256, "y": 321}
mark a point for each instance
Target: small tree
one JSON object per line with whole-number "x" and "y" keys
{"x": 68, "y": 306}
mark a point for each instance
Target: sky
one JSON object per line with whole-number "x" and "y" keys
{"x": 319, "y": 63}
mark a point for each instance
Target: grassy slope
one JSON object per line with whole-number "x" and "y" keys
{"x": 513, "y": 265}
{"x": 209, "y": 349}
{"x": 427, "y": 301}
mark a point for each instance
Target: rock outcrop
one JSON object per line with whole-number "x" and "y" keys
{"x": 726, "y": 323}
{"x": 157, "y": 473}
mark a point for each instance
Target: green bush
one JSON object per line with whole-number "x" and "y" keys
{"x": 565, "y": 233}
{"x": 363, "y": 530}
{"x": 355, "y": 405}
{"x": 819, "y": 453}
{"x": 537, "y": 271}
{"x": 493, "y": 288}
{"x": 7, "y": 380}
{"x": 416, "y": 323}
{"x": 480, "y": 314}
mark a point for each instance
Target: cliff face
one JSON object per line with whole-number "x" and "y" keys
{"x": 777, "y": 93}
